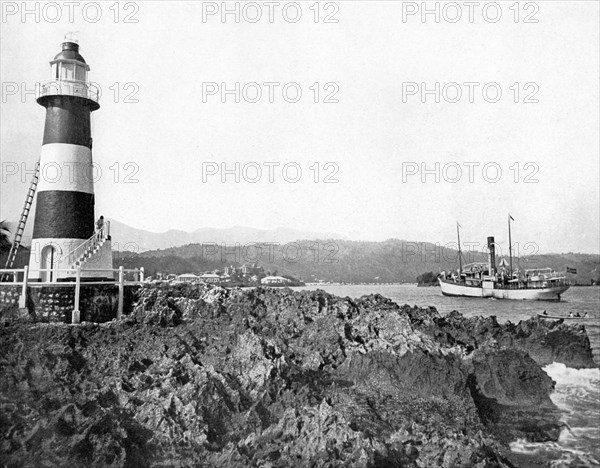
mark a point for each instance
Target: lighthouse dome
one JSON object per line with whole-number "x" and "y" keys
{"x": 70, "y": 51}
{"x": 69, "y": 78}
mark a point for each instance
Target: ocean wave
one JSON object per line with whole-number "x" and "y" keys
{"x": 577, "y": 395}
{"x": 525, "y": 447}
{"x": 556, "y": 454}
{"x": 574, "y": 458}
{"x": 585, "y": 379}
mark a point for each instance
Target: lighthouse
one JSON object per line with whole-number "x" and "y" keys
{"x": 66, "y": 235}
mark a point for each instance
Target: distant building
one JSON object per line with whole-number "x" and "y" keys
{"x": 244, "y": 270}
{"x": 210, "y": 278}
{"x": 274, "y": 280}
{"x": 187, "y": 278}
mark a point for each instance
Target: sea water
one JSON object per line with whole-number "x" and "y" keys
{"x": 577, "y": 394}
{"x": 577, "y": 391}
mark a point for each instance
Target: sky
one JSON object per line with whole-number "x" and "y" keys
{"x": 404, "y": 125}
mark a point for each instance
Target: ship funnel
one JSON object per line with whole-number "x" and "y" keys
{"x": 492, "y": 249}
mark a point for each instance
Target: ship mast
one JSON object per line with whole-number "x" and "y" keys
{"x": 510, "y": 247}
{"x": 459, "y": 251}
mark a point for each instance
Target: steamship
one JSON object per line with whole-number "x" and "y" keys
{"x": 485, "y": 280}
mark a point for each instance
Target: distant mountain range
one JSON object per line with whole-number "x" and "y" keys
{"x": 300, "y": 255}
{"x": 343, "y": 261}
{"x": 128, "y": 238}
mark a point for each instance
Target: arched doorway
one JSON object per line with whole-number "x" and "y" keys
{"x": 48, "y": 264}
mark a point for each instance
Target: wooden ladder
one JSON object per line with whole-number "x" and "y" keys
{"x": 14, "y": 248}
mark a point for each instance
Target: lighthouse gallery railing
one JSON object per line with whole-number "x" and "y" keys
{"x": 69, "y": 88}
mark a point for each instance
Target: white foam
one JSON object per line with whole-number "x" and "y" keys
{"x": 587, "y": 379}
{"x": 577, "y": 395}
{"x": 531, "y": 448}
{"x": 560, "y": 455}
{"x": 569, "y": 458}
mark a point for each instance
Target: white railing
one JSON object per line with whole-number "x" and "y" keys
{"x": 69, "y": 88}
{"x": 75, "y": 316}
{"x": 77, "y": 254}
{"x": 550, "y": 276}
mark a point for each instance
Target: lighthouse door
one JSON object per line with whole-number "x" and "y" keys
{"x": 48, "y": 264}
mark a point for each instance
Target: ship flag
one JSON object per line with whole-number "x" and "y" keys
{"x": 511, "y": 217}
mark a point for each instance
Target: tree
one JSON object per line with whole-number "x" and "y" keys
{"x": 5, "y": 242}
{"x": 427, "y": 279}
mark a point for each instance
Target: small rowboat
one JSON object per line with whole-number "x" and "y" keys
{"x": 557, "y": 317}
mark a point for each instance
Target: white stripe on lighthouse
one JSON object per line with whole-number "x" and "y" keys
{"x": 66, "y": 167}
{"x": 64, "y": 215}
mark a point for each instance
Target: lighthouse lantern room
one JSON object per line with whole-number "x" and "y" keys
{"x": 66, "y": 235}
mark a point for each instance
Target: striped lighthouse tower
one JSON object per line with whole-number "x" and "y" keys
{"x": 66, "y": 235}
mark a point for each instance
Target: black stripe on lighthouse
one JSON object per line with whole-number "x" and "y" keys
{"x": 67, "y": 120}
{"x": 61, "y": 214}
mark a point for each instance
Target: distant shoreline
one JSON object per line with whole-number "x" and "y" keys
{"x": 414, "y": 284}
{"x": 360, "y": 284}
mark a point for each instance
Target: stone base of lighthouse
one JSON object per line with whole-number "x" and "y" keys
{"x": 51, "y": 260}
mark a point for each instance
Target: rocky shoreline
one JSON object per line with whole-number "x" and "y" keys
{"x": 204, "y": 376}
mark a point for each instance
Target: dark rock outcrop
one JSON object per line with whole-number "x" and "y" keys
{"x": 211, "y": 377}
{"x": 512, "y": 395}
{"x": 546, "y": 341}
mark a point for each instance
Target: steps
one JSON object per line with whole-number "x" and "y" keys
{"x": 90, "y": 247}
{"x": 89, "y": 253}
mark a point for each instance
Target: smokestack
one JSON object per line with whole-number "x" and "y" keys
{"x": 492, "y": 250}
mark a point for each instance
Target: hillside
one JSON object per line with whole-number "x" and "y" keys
{"x": 138, "y": 240}
{"x": 125, "y": 237}
{"x": 344, "y": 261}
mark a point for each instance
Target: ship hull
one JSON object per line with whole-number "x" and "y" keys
{"x": 458, "y": 290}
{"x": 529, "y": 294}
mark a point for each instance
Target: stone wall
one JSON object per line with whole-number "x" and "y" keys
{"x": 97, "y": 302}
{"x": 9, "y": 295}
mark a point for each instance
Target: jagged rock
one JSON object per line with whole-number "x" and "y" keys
{"x": 549, "y": 341}
{"x": 545, "y": 341}
{"x": 512, "y": 395}
{"x": 13, "y": 313}
{"x": 201, "y": 376}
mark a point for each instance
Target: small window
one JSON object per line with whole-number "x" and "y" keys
{"x": 80, "y": 73}
{"x": 67, "y": 71}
